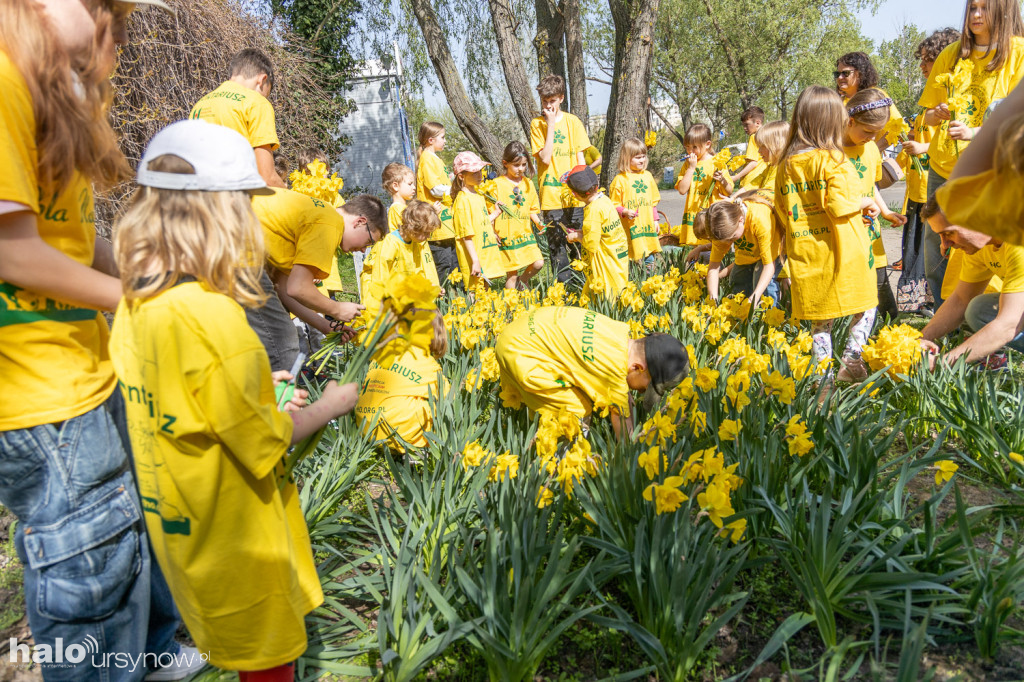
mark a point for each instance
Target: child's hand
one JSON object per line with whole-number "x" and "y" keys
{"x": 942, "y": 112}
{"x": 340, "y": 399}
{"x": 299, "y": 396}
{"x": 915, "y": 148}
{"x": 632, "y": 214}
{"x": 549, "y": 113}
{"x": 931, "y": 351}
{"x": 691, "y": 161}
{"x": 718, "y": 177}
{"x": 897, "y": 219}
{"x": 958, "y": 130}
{"x": 869, "y": 208}
{"x": 475, "y": 269}
{"x": 346, "y": 311}
{"x": 572, "y": 236}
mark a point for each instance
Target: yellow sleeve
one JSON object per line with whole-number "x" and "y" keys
{"x": 655, "y": 192}
{"x": 237, "y": 399}
{"x": 617, "y": 190}
{"x": 383, "y": 261}
{"x": 842, "y": 193}
{"x": 974, "y": 268}
{"x": 432, "y": 169}
{"x": 719, "y": 251}
{"x": 934, "y": 94}
{"x": 578, "y": 135}
{"x": 538, "y": 135}
{"x": 462, "y": 217}
{"x": 18, "y": 161}
{"x": 532, "y": 200}
{"x": 262, "y": 127}
{"x": 591, "y": 237}
{"x": 316, "y": 242}
{"x": 1013, "y": 270}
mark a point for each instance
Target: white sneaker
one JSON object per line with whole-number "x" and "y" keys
{"x": 187, "y": 662}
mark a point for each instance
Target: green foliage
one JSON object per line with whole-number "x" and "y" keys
{"x": 899, "y": 72}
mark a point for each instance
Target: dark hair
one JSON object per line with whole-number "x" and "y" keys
{"x": 756, "y": 113}
{"x": 515, "y": 150}
{"x": 698, "y": 133}
{"x": 551, "y": 86}
{"x": 867, "y": 77}
{"x": 930, "y": 47}
{"x": 931, "y": 208}
{"x": 250, "y": 63}
{"x": 371, "y": 208}
{"x": 1006, "y": 23}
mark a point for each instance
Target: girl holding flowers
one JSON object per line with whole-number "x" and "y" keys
{"x": 868, "y": 114}
{"x": 701, "y": 181}
{"x": 819, "y": 204}
{"x": 477, "y": 245}
{"x": 968, "y": 77}
{"x": 635, "y": 195}
{"x": 517, "y": 241}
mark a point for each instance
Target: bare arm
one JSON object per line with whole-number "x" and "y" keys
{"x": 751, "y": 165}
{"x": 951, "y": 313}
{"x": 28, "y": 262}
{"x": 265, "y": 165}
{"x": 335, "y": 401}
{"x": 103, "y": 258}
{"x": 475, "y": 270}
{"x": 310, "y": 317}
{"x": 714, "y": 272}
{"x": 594, "y": 165}
{"x": 767, "y": 274}
{"x": 544, "y": 154}
{"x": 300, "y": 287}
{"x": 996, "y": 333}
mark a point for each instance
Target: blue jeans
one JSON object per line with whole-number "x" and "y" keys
{"x": 982, "y": 310}
{"x": 743, "y": 278}
{"x": 91, "y": 588}
{"x": 934, "y": 263}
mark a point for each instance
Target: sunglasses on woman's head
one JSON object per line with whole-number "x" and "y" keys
{"x": 845, "y": 73}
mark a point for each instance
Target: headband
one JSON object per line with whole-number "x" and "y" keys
{"x": 877, "y": 104}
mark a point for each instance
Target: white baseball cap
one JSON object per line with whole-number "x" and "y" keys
{"x": 222, "y": 158}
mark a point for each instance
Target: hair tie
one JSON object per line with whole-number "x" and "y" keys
{"x": 877, "y": 104}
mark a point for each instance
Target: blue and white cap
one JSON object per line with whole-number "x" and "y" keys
{"x": 223, "y": 160}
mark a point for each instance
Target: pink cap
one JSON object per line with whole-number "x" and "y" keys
{"x": 468, "y": 161}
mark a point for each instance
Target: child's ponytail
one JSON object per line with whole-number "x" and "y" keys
{"x": 457, "y": 185}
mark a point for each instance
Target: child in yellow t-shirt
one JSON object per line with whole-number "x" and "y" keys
{"x": 744, "y": 223}
{"x": 404, "y": 249}
{"x": 399, "y": 182}
{"x": 819, "y": 205}
{"x": 605, "y": 249}
{"x": 635, "y": 196}
{"x": 241, "y": 103}
{"x": 752, "y": 119}
{"x": 868, "y": 112}
{"x": 476, "y": 243}
{"x": 699, "y": 181}
{"x": 433, "y": 185}
{"x": 399, "y": 396}
{"x": 224, "y": 522}
{"x": 516, "y": 239}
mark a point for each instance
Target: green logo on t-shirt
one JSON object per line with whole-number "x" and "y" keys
{"x": 859, "y": 165}
{"x": 559, "y": 137}
{"x": 699, "y": 175}
{"x": 640, "y": 187}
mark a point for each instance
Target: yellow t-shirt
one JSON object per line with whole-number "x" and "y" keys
{"x": 241, "y": 109}
{"x": 755, "y": 177}
{"x": 558, "y": 357}
{"x": 366, "y": 276}
{"x": 431, "y": 173}
{"x": 867, "y": 160}
{"x": 298, "y": 229}
{"x": 703, "y": 192}
{"x": 395, "y": 212}
{"x": 1005, "y": 261}
{"x": 54, "y": 361}
{"x": 760, "y": 243}
{"x": 518, "y": 246}
{"x": 638, "y": 192}
{"x": 392, "y": 254}
{"x": 762, "y": 177}
{"x": 817, "y": 198}
{"x": 917, "y": 182}
{"x": 208, "y": 442}
{"x": 590, "y": 155}
{"x": 400, "y": 394}
{"x": 605, "y": 249}
{"x": 954, "y": 264}
{"x": 986, "y": 87}
{"x": 987, "y": 202}
{"x": 472, "y": 220}
{"x": 570, "y": 138}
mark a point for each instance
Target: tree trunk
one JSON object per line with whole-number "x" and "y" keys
{"x": 577, "y": 72}
{"x": 451, "y": 83}
{"x": 634, "y": 30}
{"x": 549, "y": 41}
{"x": 737, "y": 69}
{"x": 512, "y": 63}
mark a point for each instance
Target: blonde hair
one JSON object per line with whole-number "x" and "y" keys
{"x": 771, "y": 138}
{"x": 631, "y": 146}
{"x": 698, "y": 133}
{"x": 428, "y": 130}
{"x": 818, "y": 120}
{"x": 167, "y": 234}
{"x": 718, "y": 222}
{"x": 871, "y": 117}
{"x": 72, "y": 131}
{"x": 1009, "y": 154}
{"x": 393, "y": 173}
{"x": 439, "y": 343}
{"x": 419, "y": 220}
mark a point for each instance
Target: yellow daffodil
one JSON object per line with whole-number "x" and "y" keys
{"x": 735, "y": 530}
{"x": 652, "y": 462}
{"x": 896, "y": 347}
{"x": 1017, "y": 458}
{"x": 705, "y": 378}
{"x": 944, "y": 471}
{"x": 667, "y": 496}
{"x": 505, "y": 466}
{"x": 715, "y": 502}
{"x": 544, "y": 497}
{"x": 730, "y": 429}
{"x": 774, "y": 317}
{"x": 782, "y": 387}
{"x": 650, "y": 138}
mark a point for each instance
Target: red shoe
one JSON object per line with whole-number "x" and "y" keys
{"x": 898, "y": 265}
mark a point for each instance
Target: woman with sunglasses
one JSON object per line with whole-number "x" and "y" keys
{"x": 855, "y": 72}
